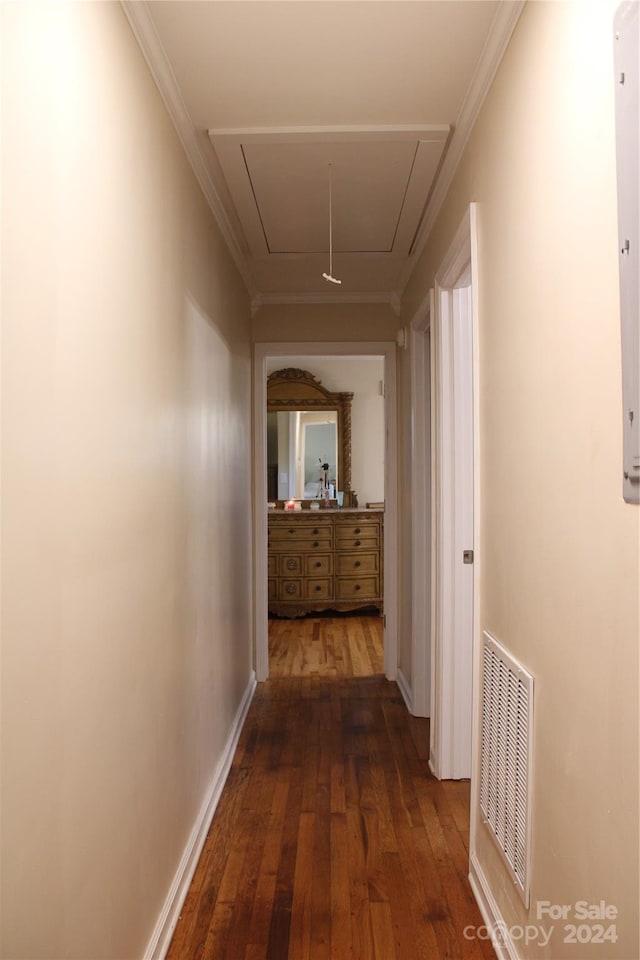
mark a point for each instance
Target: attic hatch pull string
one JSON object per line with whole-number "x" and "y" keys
{"x": 329, "y": 276}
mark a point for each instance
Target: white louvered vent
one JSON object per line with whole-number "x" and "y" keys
{"x": 505, "y": 766}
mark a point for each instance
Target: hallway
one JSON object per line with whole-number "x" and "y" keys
{"x": 176, "y": 180}
{"x": 331, "y": 838}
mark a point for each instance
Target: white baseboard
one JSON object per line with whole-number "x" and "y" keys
{"x": 163, "y": 932}
{"x": 405, "y": 690}
{"x": 501, "y": 940}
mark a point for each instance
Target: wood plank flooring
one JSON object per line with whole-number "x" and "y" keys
{"x": 331, "y": 840}
{"x": 325, "y": 646}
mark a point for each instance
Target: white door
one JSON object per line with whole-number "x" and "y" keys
{"x": 451, "y": 723}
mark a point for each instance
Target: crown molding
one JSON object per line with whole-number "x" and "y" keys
{"x": 502, "y": 27}
{"x": 396, "y": 303}
{"x": 266, "y": 299}
{"x": 144, "y": 30}
{"x": 354, "y": 132}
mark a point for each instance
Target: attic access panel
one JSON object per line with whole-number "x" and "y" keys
{"x": 290, "y": 184}
{"x": 278, "y": 180}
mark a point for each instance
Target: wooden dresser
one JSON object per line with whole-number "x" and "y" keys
{"x": 325, "y": 560}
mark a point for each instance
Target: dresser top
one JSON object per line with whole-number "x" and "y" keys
{"x": 323, "y": 511}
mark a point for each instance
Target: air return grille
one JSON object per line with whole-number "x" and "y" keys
{"x": 505, "y": 769}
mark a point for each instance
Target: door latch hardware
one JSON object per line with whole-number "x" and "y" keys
{"x": 467, "y": 556}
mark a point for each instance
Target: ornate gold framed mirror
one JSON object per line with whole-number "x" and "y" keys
{"x": 298, "y": 392}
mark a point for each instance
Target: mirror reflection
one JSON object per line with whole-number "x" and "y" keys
{"x": 302, "y": 454}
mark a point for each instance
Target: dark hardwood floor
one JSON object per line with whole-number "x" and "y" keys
{"x": 331, "y": 839}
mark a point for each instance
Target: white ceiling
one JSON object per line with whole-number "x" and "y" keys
{"x": 266, "y": 94}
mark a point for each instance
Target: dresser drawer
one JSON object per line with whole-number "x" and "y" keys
{"x": 290, "y": 589}
{"x": 353, "y": 529}
{"x": 289, "y": 566}
{"x": 357, "y": 544}
{"x": 357, "y": 588}
{"x": 300, "y": 531}
{"x": 319, "y": 589}
{"x": 318, "y": 565}
{"x": 356, "y": 565}
{"x": 273, "y": 589}
{"x": 273, "y": 566}
{"x": 301, "y": 546}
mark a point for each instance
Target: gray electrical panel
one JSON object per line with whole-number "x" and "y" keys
{"x": 626, "y": 51}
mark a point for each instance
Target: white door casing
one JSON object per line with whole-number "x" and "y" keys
{"x": 422, "y": 502}
{"x": 455, "y": 482}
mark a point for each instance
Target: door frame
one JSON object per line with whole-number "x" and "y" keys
{"x": 423, "y": 506}
{"x": 453, "y": 656}
{"x": 387, "y": 350}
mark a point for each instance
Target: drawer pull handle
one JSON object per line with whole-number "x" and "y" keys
{"x": 291, "y": 531}
{"x": 357, "y": 530}
{"x": 290, "y": 588}
{"x": 318, "y": 564}
{"x": 318, "y": 587}
{"x": 357, "y": 563}
{"x": 291, "y": 564}
{"x": 357, "y": 586}
{"x": 357, "y": 543}
{"x": 315, "y": 533}
{"x": 315, "y": 543}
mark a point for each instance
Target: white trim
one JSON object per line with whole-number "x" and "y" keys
{"x": 477, "y": 565}
{"x": 260, "y": 522}
{"x": 139, "y": 16}
{"x": 421, "y": 525}
{"x": 501, "y": 939}
{"x": 161, "y": 937}
{"x": 391, "y": 560}
{"x": 434, "y": 526}
{"x": 502, "y": 27}
{"x": 382, "y": 348}
{"x": 405, "y": 690}
{"x": 355, "y": 132}
{"x": 264, "y": 299}
{"x": 458, "y": 256}
{"x": 441, "y": 732}
{"x": 396, "y": 303}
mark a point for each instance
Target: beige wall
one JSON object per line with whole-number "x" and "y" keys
{"x": 559, "y": 547}
{"x": 324, "y": 322}
{"x": 126, "y": 598}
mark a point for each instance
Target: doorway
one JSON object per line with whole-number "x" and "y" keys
{"x": 292, "y": 353}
